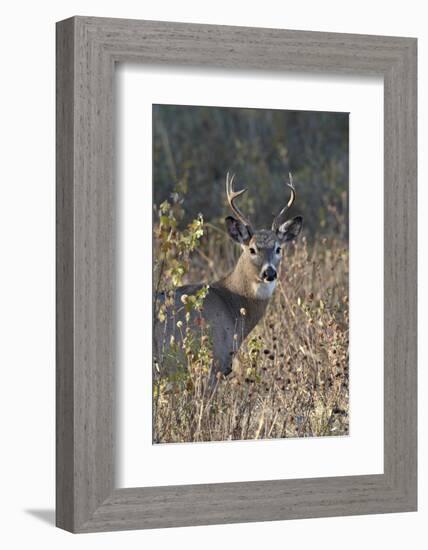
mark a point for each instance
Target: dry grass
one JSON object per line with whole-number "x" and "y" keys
{"x": 294, "y": 377}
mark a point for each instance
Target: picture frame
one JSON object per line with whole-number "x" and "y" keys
{"x": 87, "y": 51}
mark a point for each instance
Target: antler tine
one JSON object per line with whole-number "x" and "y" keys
{"x": 277, "y": 220}
{"x": 290, "y": 184}
{"x": 232, "y": 196}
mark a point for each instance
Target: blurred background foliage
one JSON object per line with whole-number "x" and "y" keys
{"x": 194, "y": 147}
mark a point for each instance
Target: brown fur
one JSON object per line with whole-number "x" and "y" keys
{"x": 234, "y": 304}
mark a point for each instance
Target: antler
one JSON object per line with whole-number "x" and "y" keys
{"x": 231, "y": 197}
{"x": 277, "y": 220}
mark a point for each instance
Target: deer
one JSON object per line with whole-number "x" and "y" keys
{"x": 236, "y": 303}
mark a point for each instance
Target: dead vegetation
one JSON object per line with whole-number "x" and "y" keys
{"x": 294, "y": 376}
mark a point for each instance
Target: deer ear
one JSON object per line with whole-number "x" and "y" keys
{"x": 239, "y": 232}
{"x": 290, "y": 229}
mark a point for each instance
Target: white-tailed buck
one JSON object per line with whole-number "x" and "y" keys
{"x": 235, "y": 304}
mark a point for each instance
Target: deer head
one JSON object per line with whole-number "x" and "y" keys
{"x": 262, "y": 250}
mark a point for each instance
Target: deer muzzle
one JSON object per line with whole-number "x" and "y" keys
{"x": 269, "y": 274}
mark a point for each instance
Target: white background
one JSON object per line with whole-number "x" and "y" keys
{"x": 27, "y": 273}
{"x": 362, "y": 451}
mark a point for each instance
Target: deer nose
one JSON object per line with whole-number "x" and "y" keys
{"x": 269, "y": 274}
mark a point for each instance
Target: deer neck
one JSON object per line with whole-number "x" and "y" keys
{"x": 243, "y": 290}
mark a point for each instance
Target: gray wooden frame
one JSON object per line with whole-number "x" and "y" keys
{"x": 87, "y": 50}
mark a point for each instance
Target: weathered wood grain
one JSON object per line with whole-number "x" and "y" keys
{"x": 87, "y": 49}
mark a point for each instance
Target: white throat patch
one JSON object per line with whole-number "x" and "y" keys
{"x": 263, "y": 291}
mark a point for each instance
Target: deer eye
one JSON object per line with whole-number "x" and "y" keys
{"x": 252, "y": 251}
{"x": 278, "y": 250}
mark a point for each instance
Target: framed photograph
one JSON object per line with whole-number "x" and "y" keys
{"x": 227, "y": 356}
